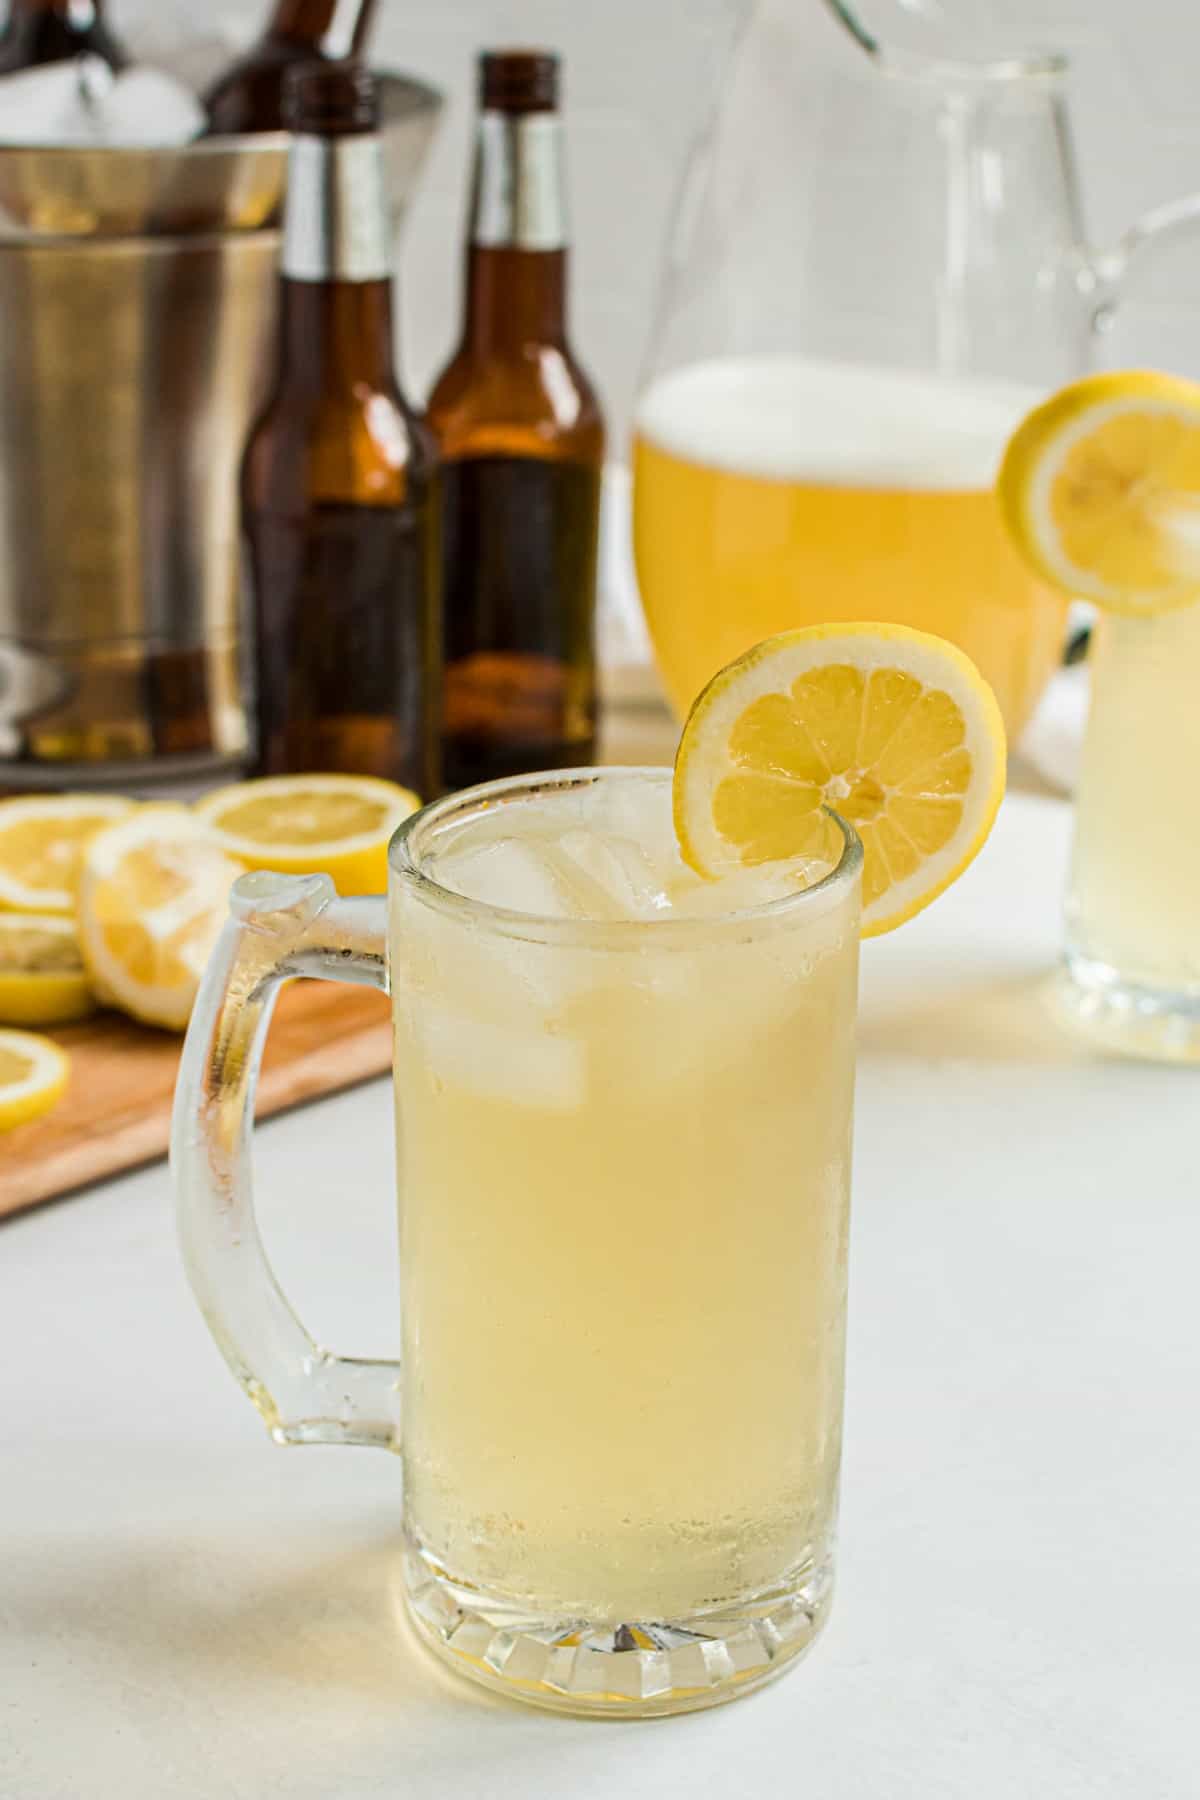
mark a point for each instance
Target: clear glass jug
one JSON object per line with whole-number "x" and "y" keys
{"x": 877, "y": 268}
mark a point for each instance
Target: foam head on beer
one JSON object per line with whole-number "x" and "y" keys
{"x": 772, "y": 492}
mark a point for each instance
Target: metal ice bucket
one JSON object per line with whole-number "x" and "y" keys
{"x": 137, "y": 316}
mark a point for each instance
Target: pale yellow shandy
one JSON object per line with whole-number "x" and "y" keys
{"x": 624, "y": 1169}
{"x": 773, "y": 492}
{"x": 1134, "y": 902}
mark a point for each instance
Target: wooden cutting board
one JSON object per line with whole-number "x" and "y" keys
{"x": 116, "y": 1112}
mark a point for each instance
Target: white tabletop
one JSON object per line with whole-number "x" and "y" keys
{"x": 187, "y": 1611}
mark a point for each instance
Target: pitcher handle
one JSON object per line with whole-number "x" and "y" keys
{"x": 280, "y": 926}
{"x": 1156, "y": 229}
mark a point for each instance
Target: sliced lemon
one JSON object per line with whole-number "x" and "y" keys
{"x": 339, "y": 825}
{"x": 153, "y": 896}
{"x": 42, "y": 977}
{"x": 40, "y": 841}
{"x": 1100, "y": 489}
{"x": 33, "y": 1074}
{"x": 894, "y": 729}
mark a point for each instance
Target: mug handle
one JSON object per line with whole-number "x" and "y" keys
{"x": 280, "y": 926}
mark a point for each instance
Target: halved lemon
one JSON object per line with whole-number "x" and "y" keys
{"x": 42, "y": 977}
{"x": 153, "y": 896}
{"x": 40, "y": 842}
{"x": 1100, "y": 489}
{"x": 338, "y": 825}
{"x": 33, "y": 1074}
{"x": 894, "y": 729}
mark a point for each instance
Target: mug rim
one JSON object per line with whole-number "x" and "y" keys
{"x": 405, "y": 866}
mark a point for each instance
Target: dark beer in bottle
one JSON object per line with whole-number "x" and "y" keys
{"x": 338, "y": 477}
{"x": 249, "y": 96}
{"x": 522, "y": 441}
{"x": 46, "y": 31}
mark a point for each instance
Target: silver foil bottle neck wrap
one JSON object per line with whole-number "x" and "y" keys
{"x": 519, "y": 197}
{"x": 337, "y": 225}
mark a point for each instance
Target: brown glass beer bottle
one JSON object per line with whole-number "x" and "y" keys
{"x": 338, "y": 500}
{"x": 522, "y": 441}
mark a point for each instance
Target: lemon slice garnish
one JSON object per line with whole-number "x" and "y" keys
{"x": 896, "y": 730}
{"x": 1100, "y": 490}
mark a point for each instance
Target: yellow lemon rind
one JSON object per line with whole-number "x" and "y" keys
{"x": 42, "y": 1089}
{"x": 357, "y": 865}
{"x": 41, "y": 996}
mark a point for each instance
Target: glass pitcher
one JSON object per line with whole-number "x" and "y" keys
{"x": 877, "y": 269}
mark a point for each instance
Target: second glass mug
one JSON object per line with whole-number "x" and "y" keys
{"x": 876, "y": 272}
{"x": 623, "y": 1157}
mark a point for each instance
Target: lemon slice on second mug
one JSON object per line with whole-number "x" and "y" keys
{"x": 1100, "y": 490}
{"x": 894, "y": 729}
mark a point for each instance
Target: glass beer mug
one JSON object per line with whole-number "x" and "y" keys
{"x": 877, "y": 270}
{"x": 623, "y": 1105}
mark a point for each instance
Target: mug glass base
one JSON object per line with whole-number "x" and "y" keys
{"x": 1094, "y": 1000}
{"x": 626, "y": 1670}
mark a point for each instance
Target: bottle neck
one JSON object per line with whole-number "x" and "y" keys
{"x": 518, "y": 199}
{"x": 336, "y": 324}
{"x": 335, "y": 338}
{"x": 516, "y": 288}
{"x": 334, "y": 27}
{"x": 514, "y": 298}
{"x": 337, "y": 225}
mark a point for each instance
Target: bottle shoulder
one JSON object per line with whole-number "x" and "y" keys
{"x": 314, "y": 410}
{"x": 542, "y": 397}
{"x": 370, "y": 448}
